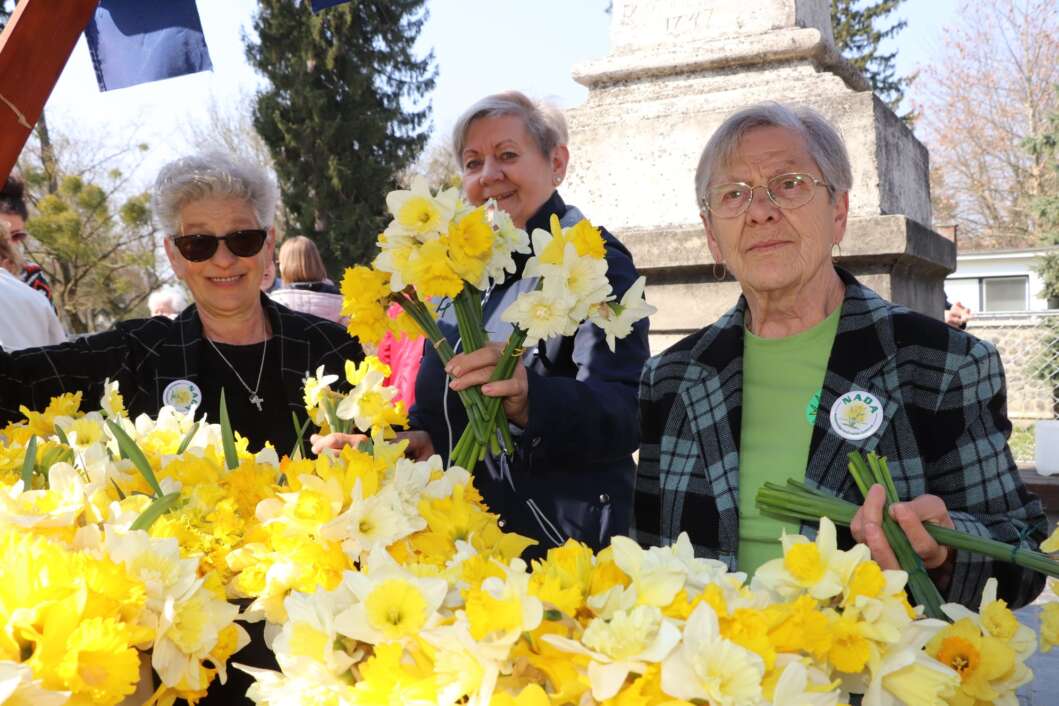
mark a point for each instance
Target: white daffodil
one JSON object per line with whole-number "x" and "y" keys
{"x": 617, "y": 319}
{"x": 507, "y": 240}
{"x": 307, "y": 640}
{"x": 994, "y": 618}
{"x": 372, "y": 523}
{"x": 19, "y": 688}
{"x": 316, "y": 386}
{"x": 271, "y": 687}
{"x": 543, "y": 313}
{"x": 187, "y": 632}
{"x": 818, "y": 568}
{"x": 907, "y": 675}
{"x": 626, "y": 642}
{"x": 364, "y": 402}
{"x": 111, "y": 401}
{"x": 657, "y": 574}
{"x": 582, "y": 278}
{"x": 463, "y": 666}
{"x": 58, "y": 505}
{"x": 795, "y": 688}
{"x": 392, "y": 604}
{"x": 711, "y": 668}
{"x": 156, "y": 562}
{"x": 417, "y": 212}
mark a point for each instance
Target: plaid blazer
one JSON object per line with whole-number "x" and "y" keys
{"x": 145, "y": 355}
{"x": 944, "y": 432}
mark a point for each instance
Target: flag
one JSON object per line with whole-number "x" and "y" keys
{"x": 133, "y": 41}
{"x": 318, "y": 5}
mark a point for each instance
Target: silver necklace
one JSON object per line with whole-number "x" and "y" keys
{"x": 255, "y": 399}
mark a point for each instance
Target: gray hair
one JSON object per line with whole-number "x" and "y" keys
{"x": 544, "y": 122}
{"x": 822, "y": 140}
{"x": 211, "y": 175}
{"x": 167, "y": 292}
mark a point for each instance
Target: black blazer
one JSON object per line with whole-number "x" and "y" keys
{"x": 145, "y": 355}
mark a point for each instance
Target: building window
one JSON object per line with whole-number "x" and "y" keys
{"x": 1005, "y": 293}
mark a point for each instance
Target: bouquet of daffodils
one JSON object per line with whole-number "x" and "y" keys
{"x": 438, "y": 247}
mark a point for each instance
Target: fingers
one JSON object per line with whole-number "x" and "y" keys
{"x": 335, "y": 441}
{"x": 463, "y": 363}
{"x": 911, "y": 516}
{"x": 867, "y": 528}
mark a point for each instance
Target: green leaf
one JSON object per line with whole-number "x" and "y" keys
{"x": 231, "y": 457}
{"x": 299, "y": 435}
{"x": 553, "y": 615}
{"x": 121, "y": 493}
{"x": 131, "y": 451}
{"x": 156, "y": 509}
{"x": 187, "y": 438}
{"x": 62, "y": 435}
{"x": 28, "y": 463}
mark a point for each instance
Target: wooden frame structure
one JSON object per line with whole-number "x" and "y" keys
{"x": 34, "y": 47}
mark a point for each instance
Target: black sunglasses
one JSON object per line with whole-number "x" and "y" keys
{"x": 197, "y": 247}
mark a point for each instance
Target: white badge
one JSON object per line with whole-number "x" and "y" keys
{"x": 182, "y": 395}
{"x": 856, "y": 415}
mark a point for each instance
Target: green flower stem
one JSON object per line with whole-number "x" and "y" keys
{"x": 472, "y": 398}
{"x": 505, "y": 368}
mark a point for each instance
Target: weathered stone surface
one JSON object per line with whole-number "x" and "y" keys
{"x": 675, "y": 70}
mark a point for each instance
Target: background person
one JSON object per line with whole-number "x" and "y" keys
{"x": 810, "y": 364}
{"x": 572, "y": 403}
{"x": 168, "y": 301}
{"x": 14, "y": 214}
{"x": 305, "y": 285}
{"x": 26, "y": 318}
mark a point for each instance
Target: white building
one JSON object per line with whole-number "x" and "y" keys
{"x": 994, "y": 281}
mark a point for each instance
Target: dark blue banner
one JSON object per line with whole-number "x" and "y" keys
{"x": 318, "y": 5}
{"x": 133, "y": 41}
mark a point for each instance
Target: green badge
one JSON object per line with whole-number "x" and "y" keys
{"x": 812, "y": 407}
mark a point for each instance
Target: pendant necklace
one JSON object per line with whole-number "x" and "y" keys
{"x": 255, "y": 399}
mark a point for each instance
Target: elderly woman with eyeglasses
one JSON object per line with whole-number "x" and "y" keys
{"x": 810, "y": 365}
{"x": 216, "y": 213}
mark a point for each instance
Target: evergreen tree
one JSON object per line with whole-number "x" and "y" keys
{"x": 344, "y": 113}
{"x": 853, "y": 23}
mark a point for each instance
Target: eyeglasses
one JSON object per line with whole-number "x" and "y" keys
{"x": 18, "y": 236}
{"x": 197, "y": 247}
{"x": 786, "y": 191}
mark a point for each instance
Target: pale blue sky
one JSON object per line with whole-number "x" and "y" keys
{"x": 480, "y": 46}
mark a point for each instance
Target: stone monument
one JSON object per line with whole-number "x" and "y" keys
{"x": 675, "y": 70}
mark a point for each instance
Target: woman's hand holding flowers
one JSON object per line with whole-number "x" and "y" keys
{"x": 476, "y": 368}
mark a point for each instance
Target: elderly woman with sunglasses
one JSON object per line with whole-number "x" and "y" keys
{"x": 810, "y": 365}
{"x": 216, "y": 213}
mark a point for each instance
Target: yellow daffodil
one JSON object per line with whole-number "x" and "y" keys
{"x": 818, "y": 568}
{"x": 980, "y": 661}
{"x": 656, "y": 573}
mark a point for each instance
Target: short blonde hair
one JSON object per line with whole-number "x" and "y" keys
{"x": 300, "y": 261}
{"x": 543, "y": 121}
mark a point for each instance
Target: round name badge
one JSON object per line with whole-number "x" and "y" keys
{"x": 856, "y": 415}
{"x": 182, "y": 395}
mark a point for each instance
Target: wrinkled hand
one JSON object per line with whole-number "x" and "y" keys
{"x": 419, "y": 448}
{"x": 470, "y": 369}
{"x": 867, "y": 528}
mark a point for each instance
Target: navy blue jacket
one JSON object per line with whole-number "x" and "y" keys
{"x": 571, "y": 474}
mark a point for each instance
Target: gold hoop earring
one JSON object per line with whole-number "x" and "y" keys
{"x": 722, "y": 272}
{"x": 837, "y": 246}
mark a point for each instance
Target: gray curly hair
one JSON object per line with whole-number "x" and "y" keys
{"x": 210, "y": 175}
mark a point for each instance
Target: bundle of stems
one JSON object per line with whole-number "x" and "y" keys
{"x": 487, "y": 423}
{"x": 796, "y": 501}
